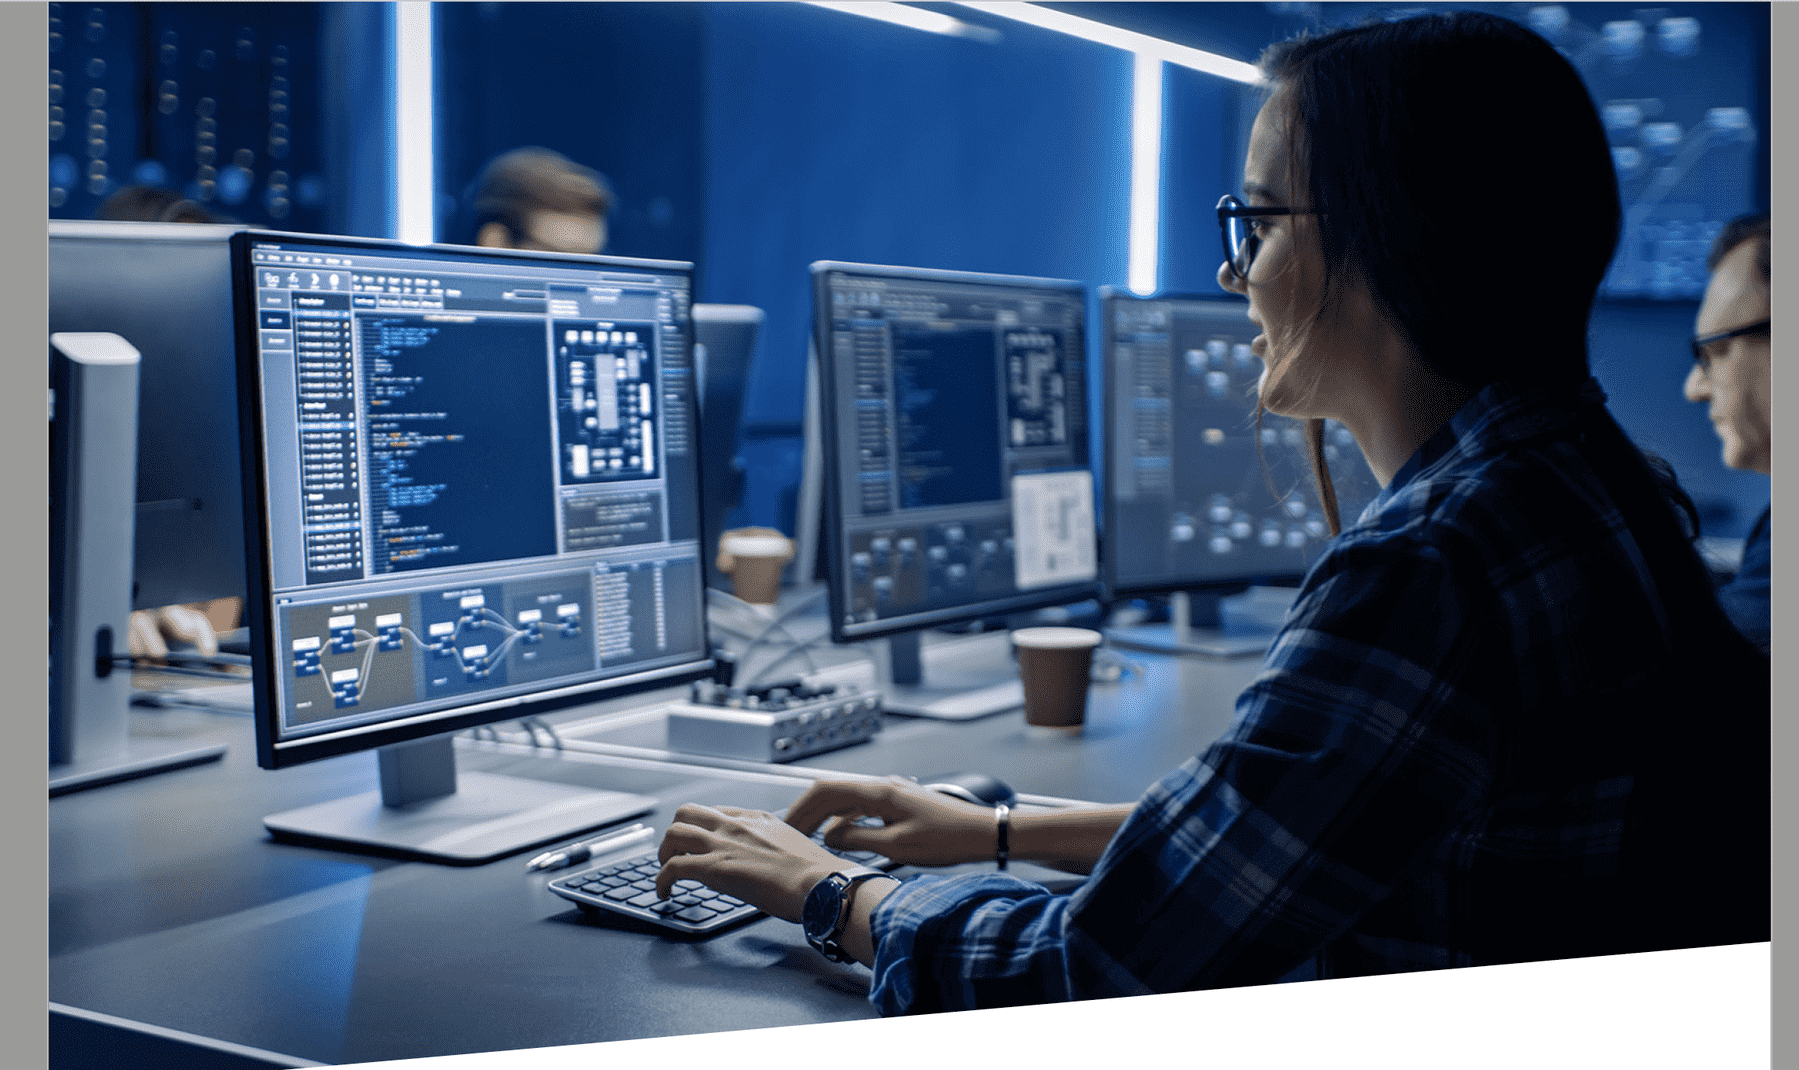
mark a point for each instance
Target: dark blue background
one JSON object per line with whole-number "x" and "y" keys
{"x": 755, "y": 138}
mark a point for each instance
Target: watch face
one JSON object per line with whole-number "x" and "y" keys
{"x": 819, "y": 916}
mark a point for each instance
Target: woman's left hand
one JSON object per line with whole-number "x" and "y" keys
{"x": 752, "y": 855}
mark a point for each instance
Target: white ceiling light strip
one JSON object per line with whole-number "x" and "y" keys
{"x": 1144, "y": 257}
{"x": 915, "y": 18}
{"x": 1130, "y": 41}
{"x": 414, "y": 156}
{"x": 1145, "y": 253}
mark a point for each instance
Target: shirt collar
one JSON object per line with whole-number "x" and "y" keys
{"x": 1499, "y": 416}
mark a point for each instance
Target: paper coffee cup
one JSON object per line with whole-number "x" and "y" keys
{"x": 1055, "y": 665}
{"x": 754, "y": 563}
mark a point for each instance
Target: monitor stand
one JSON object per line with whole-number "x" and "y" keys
{"x": 1197, "y": 629}
{"x": 956, "y": 692}
{"x": 425, "y": 810}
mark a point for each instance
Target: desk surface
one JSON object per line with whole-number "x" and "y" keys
{"x": 170, "y": 905}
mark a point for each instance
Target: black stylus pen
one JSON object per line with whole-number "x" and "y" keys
{"x": 581, "y": 852}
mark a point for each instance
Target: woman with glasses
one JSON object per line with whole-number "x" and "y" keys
{"x": 1491, "y": 728}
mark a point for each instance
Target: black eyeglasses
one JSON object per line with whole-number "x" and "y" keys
{"x": 1702, "y": 346}
{"x": 1240, "y": 238}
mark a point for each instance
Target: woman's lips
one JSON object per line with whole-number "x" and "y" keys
{"x": 1259, "y": 346}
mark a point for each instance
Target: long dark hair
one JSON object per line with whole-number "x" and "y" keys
{"x": 1462, "y": 173}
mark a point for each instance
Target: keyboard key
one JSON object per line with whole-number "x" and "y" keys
{"x": 628, "y": 887}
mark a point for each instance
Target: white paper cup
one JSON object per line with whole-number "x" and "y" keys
{"x": 754, "y": 563}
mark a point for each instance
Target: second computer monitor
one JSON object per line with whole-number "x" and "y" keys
{"x": 956, "y": 469}
{"x": 1198, "y": 493}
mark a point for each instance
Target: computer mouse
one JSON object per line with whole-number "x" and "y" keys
{"x": 977, "y": 788}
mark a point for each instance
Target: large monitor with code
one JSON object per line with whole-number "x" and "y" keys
{"x": 473, "y": 496}
{"x": 1201, "y": 496}
{"x": 956, "y": 478}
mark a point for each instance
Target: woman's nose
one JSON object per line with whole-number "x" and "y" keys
{"x": 1228, "y": 280}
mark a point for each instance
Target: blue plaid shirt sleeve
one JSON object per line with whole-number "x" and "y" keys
{"x": 1349, "y": 761}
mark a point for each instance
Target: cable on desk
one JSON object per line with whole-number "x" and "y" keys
{"x": 532, "y": 724}
{"x": 780, "y": 623}
{"x": 802, "y": 649}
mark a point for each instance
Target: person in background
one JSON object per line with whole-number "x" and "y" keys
{"x": 1732, "y": 350}
{"x": 1506, "y": 719}
{"x": 155, "y": 204}
{"x": 196, "y": 624}
{"x": 534, "y": 198}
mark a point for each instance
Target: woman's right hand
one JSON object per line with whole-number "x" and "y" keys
{"x": 919, "y": 826}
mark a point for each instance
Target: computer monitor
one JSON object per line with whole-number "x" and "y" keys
{"x": 956, "y": 483}
{"x": 724, "y": 347}
{"x": 1200, "y": 498}
{"x": 473, "y": 496}
{"x": 166, "y": 289}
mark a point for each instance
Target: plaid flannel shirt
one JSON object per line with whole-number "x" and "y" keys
{"x": 1471, "y": 742}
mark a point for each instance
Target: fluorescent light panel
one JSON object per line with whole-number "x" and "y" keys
{"x": 1146, "y": 176}
{"x": 915, "y": 18}
{"x": 415, "y": 194}
{"x": 1130, "y": 41}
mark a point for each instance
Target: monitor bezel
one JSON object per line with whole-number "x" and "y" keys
{"x": 836, "y": 567}
{"x": 271, "y": 751}
{"x": 1113, "y": 589}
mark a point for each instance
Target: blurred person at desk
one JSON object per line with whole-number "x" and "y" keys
{"x": 197, "y": 624}
{"x": 538, "y": 199}
{"x": 1732, "y": 366}
{"x": 1506, "y": 719}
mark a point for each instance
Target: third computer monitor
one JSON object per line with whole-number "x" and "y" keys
{"x": 956, "y": 469}
{"x": 1199, "y": 494}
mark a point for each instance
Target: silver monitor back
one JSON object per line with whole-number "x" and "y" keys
{"x": 166, "y": 289}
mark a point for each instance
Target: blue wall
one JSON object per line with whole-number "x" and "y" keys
{"x": 835, "y": 137}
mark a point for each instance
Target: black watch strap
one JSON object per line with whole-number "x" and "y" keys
{"x": 827, "y": 910}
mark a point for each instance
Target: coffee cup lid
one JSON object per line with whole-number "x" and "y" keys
{"x": 757, "y": 545}
{"x": 1056, "y": 638}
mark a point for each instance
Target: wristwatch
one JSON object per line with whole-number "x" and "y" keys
{"x": 827, "y": 910}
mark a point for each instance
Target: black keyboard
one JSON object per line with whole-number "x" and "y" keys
{"x": 628, "y": 887}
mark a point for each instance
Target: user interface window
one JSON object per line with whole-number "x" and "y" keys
{"x": 479, "y": 478}
{"x": 1198, "y": 492}
{"x": 960, "y": 424}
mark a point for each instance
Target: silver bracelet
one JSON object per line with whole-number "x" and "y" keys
{"x": 1003, "y": 814}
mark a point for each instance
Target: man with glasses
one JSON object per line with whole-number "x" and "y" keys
{"x": 1731, "y": 365}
